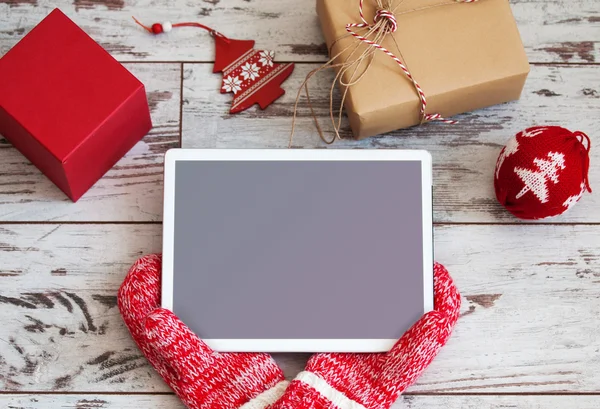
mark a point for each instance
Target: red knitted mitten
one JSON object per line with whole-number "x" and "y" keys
{"x": 201, "y": 377}
{"x": 374, "y": 381}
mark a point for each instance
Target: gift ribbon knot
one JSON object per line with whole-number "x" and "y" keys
{"x": 391, "y": 22}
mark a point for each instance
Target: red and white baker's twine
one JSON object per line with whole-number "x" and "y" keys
{"x": 391, "y": 27}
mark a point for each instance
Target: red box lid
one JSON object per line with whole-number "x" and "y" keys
{"x": 57, "y": 61}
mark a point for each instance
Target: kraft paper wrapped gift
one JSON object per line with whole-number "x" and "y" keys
{"x": 464, "y": 55}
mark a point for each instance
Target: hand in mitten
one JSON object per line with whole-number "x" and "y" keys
{"x": 201, "y": 377}
{"x": 374, "y": 381}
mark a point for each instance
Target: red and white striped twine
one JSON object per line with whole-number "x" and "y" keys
{"x": 389, "y": 16}
{"x": 391, "y": 27}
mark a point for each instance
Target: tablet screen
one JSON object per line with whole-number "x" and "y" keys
{"x": 298, "y": 249}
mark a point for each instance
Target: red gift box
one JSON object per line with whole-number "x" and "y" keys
{"x": 69, "y": 106}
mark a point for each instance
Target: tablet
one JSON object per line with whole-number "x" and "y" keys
{"x": 298, "y": 250}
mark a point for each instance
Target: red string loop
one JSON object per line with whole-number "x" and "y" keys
{"x": 157, "y": 28}
{"x": 202, "y": 26}
{"x": 585, "y": 146}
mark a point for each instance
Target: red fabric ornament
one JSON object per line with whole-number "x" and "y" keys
{"x": 251, "y": 75}
{"x": 542, "y": 172}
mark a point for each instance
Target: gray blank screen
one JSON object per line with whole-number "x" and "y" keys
{"x": 298, "y": 250}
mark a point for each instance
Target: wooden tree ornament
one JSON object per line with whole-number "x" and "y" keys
{"x": 251, "y": 75}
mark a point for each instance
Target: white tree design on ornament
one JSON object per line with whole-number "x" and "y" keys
{"x": 571, "y": 200}
{"x": 537, "y": 180}
{"x": 511, "y": 147}
{"x": 531, "y": 133}
{"x": 266, "y": 58}
{"x": 232, "y": 84}
{"x": 250, "y": 71}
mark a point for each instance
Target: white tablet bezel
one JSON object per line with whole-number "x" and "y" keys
{"x": 295, "y": 345}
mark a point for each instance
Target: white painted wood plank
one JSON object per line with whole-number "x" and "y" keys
{"x": 552, "y": 30}
{"x": 464, "y": 154}
{"x": 131, "y": 190}
{"x": 529, "y": 316}
{"x": 405, "y": 402}
{"x": 64, "y": 330}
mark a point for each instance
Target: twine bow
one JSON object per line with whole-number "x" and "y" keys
{"x": 384, "y": 23}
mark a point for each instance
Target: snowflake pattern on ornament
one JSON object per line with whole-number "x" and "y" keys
{"x": 232, "y": 84}
{"x": 530, "y": 133}
{"x": 266, "y": 58}
{"x": 536, "y": 181}
{"x": 571, "y": 200}
{"x": 250, "y": 71}
{"x": 250, "y": 74}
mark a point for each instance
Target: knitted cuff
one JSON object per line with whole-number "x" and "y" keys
{"x": 310, "y": 391}
{"x": 267, "y": 398}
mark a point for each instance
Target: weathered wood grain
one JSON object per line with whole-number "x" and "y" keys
{"x": 132, "y": 190}
{"x": 464, "y": 154}
{"x": 552, "y": 30}
{"x": 529, "y": 315}
{"x": 62, "y": 329}
{"x": 530, "y": 293}
{"x": 405, "y": 402}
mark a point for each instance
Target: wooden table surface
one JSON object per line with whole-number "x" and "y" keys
{"x": 529, "y": 335}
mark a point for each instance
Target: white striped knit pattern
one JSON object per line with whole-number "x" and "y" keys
{"x": 337, "y": 398}
{"x": 267, "y": 398}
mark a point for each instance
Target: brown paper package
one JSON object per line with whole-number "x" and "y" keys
{"x": 465, "y": 56}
